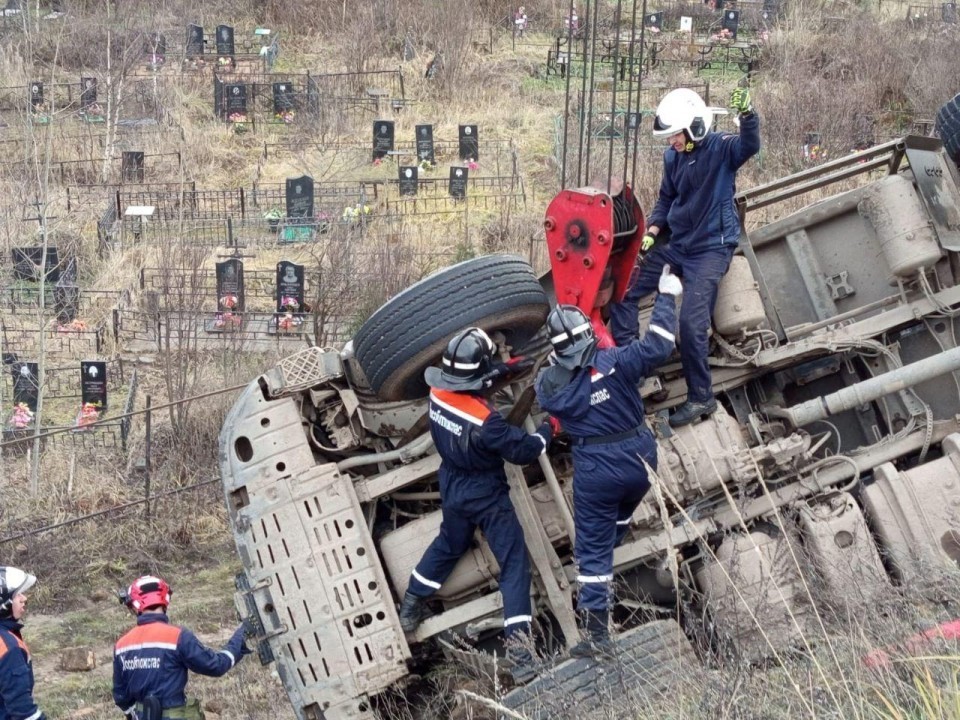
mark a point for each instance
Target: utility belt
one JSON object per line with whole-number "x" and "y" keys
{"x": 607, "y": 439}
{"x": 190, "y": 711}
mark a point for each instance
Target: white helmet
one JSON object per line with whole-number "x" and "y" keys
{"x": 683, "y": 110}
{"x": 13, "y": 581}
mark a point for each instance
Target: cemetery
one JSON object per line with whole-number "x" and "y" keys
{"x": 194, "y": 195}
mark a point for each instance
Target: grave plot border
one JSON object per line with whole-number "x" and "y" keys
{"x": 257, "y": 283}
{"x": 27, "y": 297}
{"x": 73, "y": 343}
{"x": 76, "y": 172}
{"x": 79, "y": 195}
{"x": 251, "y": 58}
{"x": 63, "y": 382}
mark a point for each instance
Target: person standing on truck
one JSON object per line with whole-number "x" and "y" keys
{"x": 696, "y": 203}
{"x": 592, "y": 391}
{"x": 473, "y": 440}
{"x": 151, "y": 661}
{"x": 16, "y": 668}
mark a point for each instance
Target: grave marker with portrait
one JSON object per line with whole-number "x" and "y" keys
{"x": 383, "y": 134}
{"x": 408, "y": 179}
{"x": 194, "y": 45}
{"x": 93, "y": 383}
{"x": 290, "y": 296}
{"x": 230, "y": 296}
{"x": 425, "y": 150}
{"x": 284, "y": 103}
{"x": 458, "y": 182}
{"x": 235, "y": 98}
{"x": 26, "y": 384}
{"x": 469, "y": 142}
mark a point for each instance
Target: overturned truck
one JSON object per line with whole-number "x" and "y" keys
{"x": 835, "y": 357}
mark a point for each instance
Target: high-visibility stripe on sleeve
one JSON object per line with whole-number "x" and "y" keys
{"x": 36, "y": 716}
{"x": 594, "y": 578}
{"x": 233, "y": 660}
{"x": 657, "y": 330}
{"x": 518, "y": 619}
{"x": 623, "y": 522}
{"x": 543, "y": 440}
{"x": 428, "y": 583}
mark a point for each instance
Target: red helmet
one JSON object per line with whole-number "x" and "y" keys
{"x": 148, "y": 591}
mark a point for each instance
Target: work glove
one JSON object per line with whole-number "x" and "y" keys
{"x": 669, "y": 283}
{"x": 740, "y": 100}
{"x": 513, "y": 366}
{"x": 244, "y": 650}
{"x": 554, "y": 425}
{"x": 647, "y": 242}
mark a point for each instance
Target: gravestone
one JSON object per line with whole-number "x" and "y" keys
{"x": 655, "y": 20}
{"x": 382, "y": 138}
{"x": 408, "y": 179}
{"x": 949, "y": 13}
{"x": 633, "y": 120}
{"x": 731, "y": 21}
{"x": 132, "y": 167}
{"x": 225, "y": 44}
{"x": 458, "y": 182}
{"x": 26, "y": 384}
{"x": 27, "y": 263}
{"x": 283, "y": 101}
{"x": 686, "y": 23}
{"x": 93, "y": 383}
{"x": 88, "y": 93}
{"x": 236, "y": 102}
{"x": 299, "y": 198}
{"x": 409, "y": 53}
{"x": 155, "y": 49}
{"x": 36, "y": 95}
{"x": 66, "y": 295}
{"x": 291, "y": 289}
{"x": 469, "y": 142}
{"x": 230, "y": 296}
{"x": 313, "y": 96}
{"x": 194, "y": 41}
{"x": 425, "y": 144}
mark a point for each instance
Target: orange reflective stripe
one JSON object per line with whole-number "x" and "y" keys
{"x": 466, "y": 404}
{"x": 150, "y": 634}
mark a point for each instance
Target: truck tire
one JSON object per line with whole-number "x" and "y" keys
{"x": 409, "y": 332}
{"x": 948, "y": 127}
{"x": 649, "y": 660}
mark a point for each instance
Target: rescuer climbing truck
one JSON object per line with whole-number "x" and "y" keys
{"x": 834, "y": 457}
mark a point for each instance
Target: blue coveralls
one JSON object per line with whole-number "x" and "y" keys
{"x": 696, "y": 203}
{"x": 473, "y": 440}
{"x": 153, "y": 659}
{"x": 16, "y": 675}
{"x": 599, "y": 406}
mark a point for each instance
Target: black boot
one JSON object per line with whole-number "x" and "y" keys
{"x": 412, "y": 612}
{"x": 692, "y": 410}
{"x": 596, "y": 641}
{"x": 522, "y": 667}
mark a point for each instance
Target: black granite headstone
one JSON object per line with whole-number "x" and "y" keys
{"x": 299, "y": 197}
{"x": 88, "y": 93}
{"x": 731, "y": 21}
{"x": 425, "y": 144}
{"x": 93, "y": 383}
{"x": 132, "y": 166}
{"x": 236, "y": 102}
{"x": 382, "y": 138}
{"x": 408, "y": 179}
{"x": 458, "y": 182}
{"x": 27, "y": 263}
{"x": 654, "y": 20}
{"x": 633, "y": 120}
{"x": 225, "y": 44}
{"x": 290, "y": 287}
{"x": 949, "y": 12}
{"x": 26, "y": 384}
{"x": 469, "y": 143}
{"x": 194, "y": 41}
{"x": 36, "y": 94}
{"x": 230, "y": 286}
{"x": 283, "y": 98}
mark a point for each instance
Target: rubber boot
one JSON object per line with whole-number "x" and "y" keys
{"x": 596, "y": 641}
{"x": 692, "y": 410}
{"x": 412, "y": 612}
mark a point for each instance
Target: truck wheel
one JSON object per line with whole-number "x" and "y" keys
{"x": 650, "y": 659}
{"x": 409, "y": 332}
{"x": 948, "y": 127}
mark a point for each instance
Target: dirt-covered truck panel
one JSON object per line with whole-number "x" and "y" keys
{"x": 831, "y": 463}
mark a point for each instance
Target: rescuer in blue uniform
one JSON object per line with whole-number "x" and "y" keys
{"x": 151, "y": 661}
{"x": 16, "y": 669}
{"x": 593, "y": 393}
{"x": 473, "y": 440}
{"x": 696, "y": 204}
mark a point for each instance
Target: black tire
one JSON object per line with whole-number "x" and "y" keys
{"x": 948, "y": 127}
{"x": 649, "y": 660}
{"x": 408, "y": 333}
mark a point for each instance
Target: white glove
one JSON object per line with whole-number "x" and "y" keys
{"x": 669, "y": 283}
